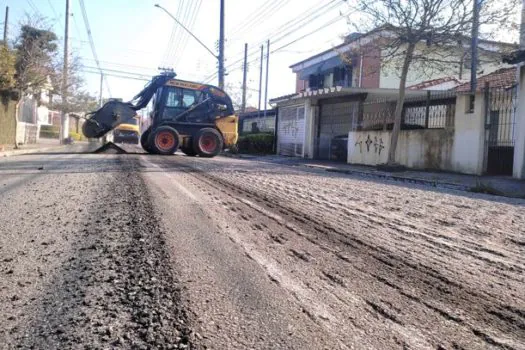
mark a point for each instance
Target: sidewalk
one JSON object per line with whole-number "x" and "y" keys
{"x": 49, "y": 146}
{"x": 497, "y": 185}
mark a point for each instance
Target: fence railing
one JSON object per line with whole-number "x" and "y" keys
{"x": 434, "y": 110}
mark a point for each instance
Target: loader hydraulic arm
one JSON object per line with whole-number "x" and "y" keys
{"x": 113, "y": 113}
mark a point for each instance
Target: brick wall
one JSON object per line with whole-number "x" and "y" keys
{"x": 371, "y": 68}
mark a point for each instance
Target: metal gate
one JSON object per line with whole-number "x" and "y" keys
{"x": 335, "y": 122}
{"x": 291, "y": 131}
{"x": 500, "y": 122}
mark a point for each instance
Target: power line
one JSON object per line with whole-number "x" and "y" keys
{"x": 332, "y": 21}
{"x": 91, "y": 43}
{"x": 174, "y": 31}
{"x": 118, "y": 71}
{"x": 307, "y": 16}
{"x": 187, "y": 37}
{"x": 114, "y": 75}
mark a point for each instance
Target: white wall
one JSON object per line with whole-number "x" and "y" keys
{"x": 418, "y": 149}
{"x": 519, "y": 147}
{"x": 469, "y": 137}
{"x": 460, "y": 149}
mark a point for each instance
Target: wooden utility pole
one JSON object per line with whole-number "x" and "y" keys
{"x": 221, "y": 47}
{"x": 65, "y": 121}
{"x": 267, "y": 71}
{"x": 245, "y": 72}
{"x": 6, "y": 25}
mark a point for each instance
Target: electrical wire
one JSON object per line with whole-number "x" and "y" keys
{"x": 91, "y": 43}
{"x": 192, "y": 21}
{"x": 297, "y": 24}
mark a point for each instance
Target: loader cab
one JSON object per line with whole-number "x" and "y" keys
{"x": 187, "y": 102}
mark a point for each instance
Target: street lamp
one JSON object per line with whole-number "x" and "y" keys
{"x": 219, "y": 57}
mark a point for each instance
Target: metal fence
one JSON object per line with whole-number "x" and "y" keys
{"x": 434, "y": 110}
{"x": 500, "y": 122}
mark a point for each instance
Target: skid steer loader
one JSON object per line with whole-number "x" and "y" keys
{"x": 197, "y": 118}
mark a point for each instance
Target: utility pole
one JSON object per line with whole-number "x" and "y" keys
{"x": 244, "y": 74}
{"x": 260, "y": 81}
{"x": 474, "y": 48}
{"x": 100, "y": 96}
{"x": 65, "y": 121}
{"x": 6, "y": 25}
{"x": 267, "y": 71}
{"x": 221, "y": 47}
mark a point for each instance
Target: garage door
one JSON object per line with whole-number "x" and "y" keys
{"x": 335, "y": 120}
{"x": 291, "y": 131}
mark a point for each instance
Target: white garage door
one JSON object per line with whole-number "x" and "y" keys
{"x": 291, "y": 131}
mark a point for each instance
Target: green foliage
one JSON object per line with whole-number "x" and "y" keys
{"x": 49, "y": 131}
{"x": 7, "y": 68}
{"x": 261, "y": 143}
{"x": 76, "y": 136}
{"x": 34, "y": 59}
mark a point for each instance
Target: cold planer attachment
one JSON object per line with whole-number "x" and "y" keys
{"x": 114, "y": 113}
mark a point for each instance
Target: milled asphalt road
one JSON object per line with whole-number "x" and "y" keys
{"x": 140, "y": 251}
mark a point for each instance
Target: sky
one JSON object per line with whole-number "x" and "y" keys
{"x": 135, "y": 37}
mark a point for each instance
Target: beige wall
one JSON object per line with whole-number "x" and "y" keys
{"x": 519, "y": 148}
{"x": 460, "y": 149}
{"x": 420, "y": 71}
{"x": 418, "y": 149}
{"x": 469, "y": 137}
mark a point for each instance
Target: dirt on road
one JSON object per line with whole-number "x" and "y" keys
{"x": 373, "y": 264}
{"x": 140, "y": 252}
{"x": 83, "y": 259}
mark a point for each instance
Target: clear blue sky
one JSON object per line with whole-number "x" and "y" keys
{"x": 134, "y": 36}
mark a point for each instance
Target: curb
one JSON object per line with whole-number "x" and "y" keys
{"x": 417, "y": 181}
{"x": 82, "y": 148}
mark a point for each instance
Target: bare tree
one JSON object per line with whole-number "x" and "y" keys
{"x": 429, "y": 35}
{"x": 78, "y": 100}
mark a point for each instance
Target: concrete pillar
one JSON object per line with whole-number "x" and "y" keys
{"x": 519, "y": 146}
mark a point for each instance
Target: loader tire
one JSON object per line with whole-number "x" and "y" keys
{"x": 144, "y": 141}
{"x": 208, "y": 142}
{"x": 164, "y": 140}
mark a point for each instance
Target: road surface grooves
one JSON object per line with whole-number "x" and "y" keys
{"x": 84, "y": 263}
{"x": 372, "y": 264}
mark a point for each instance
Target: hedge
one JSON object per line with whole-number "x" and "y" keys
{"x": 49, "y": 131}
{"x": 261, "y": 143}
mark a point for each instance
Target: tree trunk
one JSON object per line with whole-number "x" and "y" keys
{"x": 399, "y": 106}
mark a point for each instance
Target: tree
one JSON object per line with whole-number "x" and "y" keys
{"x": 426, "y": 34}
{"x": 35, "y": 49}
{"x": 35, "y": 52}
{"x": 7, "y": 68}
{"x": 78, "y": 100}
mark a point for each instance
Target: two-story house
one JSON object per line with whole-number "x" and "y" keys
{"x": 359, "y": 62}
{"x": 333, "y": 87}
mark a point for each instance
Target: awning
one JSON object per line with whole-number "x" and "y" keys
{"x": 321, "y": 67}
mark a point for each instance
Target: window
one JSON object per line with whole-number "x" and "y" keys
{"x": 174, "y": 98}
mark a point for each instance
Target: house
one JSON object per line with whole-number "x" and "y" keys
{"x": 360, "y": 62}
{"x": 253, "y": 120}
{"x": 348, "y": 116}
